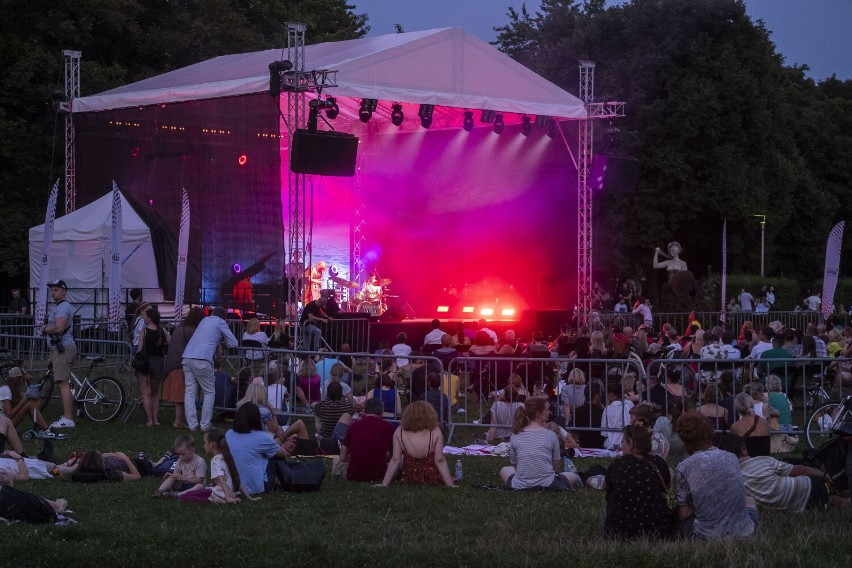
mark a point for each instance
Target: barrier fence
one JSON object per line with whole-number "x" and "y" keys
{"x": 733, "y": 321}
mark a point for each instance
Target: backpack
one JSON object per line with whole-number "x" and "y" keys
{"x": 25, "y": 507}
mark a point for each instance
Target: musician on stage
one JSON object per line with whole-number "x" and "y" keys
{"x": 312, "y": 292}
{"x": 372, "y": 291}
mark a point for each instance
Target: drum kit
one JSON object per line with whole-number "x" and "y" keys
{"x": 371, "y": 299}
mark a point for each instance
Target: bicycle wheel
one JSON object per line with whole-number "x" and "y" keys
{"x": 45, "y": 390}
{"x": 819, "y": 424}
{"x": 103, "y": 400}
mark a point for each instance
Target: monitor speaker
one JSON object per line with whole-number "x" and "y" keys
{"x": 323, "y": 153}
{"x": 391, "y": 315}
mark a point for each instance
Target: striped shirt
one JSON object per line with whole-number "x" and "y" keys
{"x": 533, "y": 452}
{"x": 328, "y": 412}
{"x": 768, "y": 481}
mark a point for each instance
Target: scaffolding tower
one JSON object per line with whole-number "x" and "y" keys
{"x": 71, "y": 92}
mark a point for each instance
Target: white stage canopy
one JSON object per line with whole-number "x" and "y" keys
{"x": 447, "y": 67}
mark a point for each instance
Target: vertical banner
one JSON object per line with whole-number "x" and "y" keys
{"x": 832, "y": 266}
{"x": 44, "y": 268}
{"x": 183, "y": 247}
{"x": 115, "y": 262}
{"x": 723, "y": 317}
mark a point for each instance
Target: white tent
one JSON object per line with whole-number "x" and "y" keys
{"x": 80, "y": 253}
{"x": 446, "y": 67}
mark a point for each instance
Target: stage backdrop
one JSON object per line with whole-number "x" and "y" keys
{"x": 225, "y": 152}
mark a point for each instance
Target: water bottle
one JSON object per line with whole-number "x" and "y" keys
{"x": 459, "y": 470}
{"x": 568, "y": 465}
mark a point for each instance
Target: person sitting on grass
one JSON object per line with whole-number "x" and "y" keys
{"x": 224, "y": 477}
{"x": 333, "y": 417}
{"x": 711, "y": 495}
{"x": 636, "y": 485}
{"x": 308, "y": 385}
{"x": 418, "y": 448}
{"x": 297, "y": 431}
{"x": 15, "y": 403}
{"x": 780, "y": 485}
{"x": 254, "y": 450}
{"x": 366, "y": 447}
{"x": 436, "y": 397}
{"x": 190, "y": 469}
{"x": 385, "y": 390}
{"x": 645, "y": 414}
{"x": 535, "y": 452}
{"x": 615, "y": 416}
{"x": 503, "y": 413}
{"x": 752, "y": 427}
{"x": 95, "y": 466}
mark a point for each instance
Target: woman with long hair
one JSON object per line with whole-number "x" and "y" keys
{"x": 154, "y": 340}
{"x": 224, "y": 476}
{"x": 253, "y": 449}
{"x": 418, "y": 448}
{"x": 15, "y": 405}
{"x": 535, "y": 452}
{"x": 173, "y": 387}
{"x": 385, "y": 389}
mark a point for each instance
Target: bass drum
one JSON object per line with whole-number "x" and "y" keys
{"x": 369, "y": 308}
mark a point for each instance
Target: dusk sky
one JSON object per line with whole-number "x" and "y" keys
{"x": 812, "y": 32}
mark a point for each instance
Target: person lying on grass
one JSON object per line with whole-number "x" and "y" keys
{"x": 95, "y": 466}
{"x": 224, "y": 476}
{"x": 418, "y": 448}
{"x": 12, "y": 500}
{"x": 190, "y": 469}
{"x": 9, "y": 435}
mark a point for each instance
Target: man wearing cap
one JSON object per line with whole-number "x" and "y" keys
{"x": 63, "y": 350}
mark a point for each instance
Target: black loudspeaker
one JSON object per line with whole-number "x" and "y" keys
{"x": 324, "y": 153}
{"x": 391, "y": 315}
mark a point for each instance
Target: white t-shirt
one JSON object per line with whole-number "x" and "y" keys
{"x": 768, "y": 481}
{"x": 433, "y": 337}
{"x": 759, "y": 348}
{"x": 813, "y": 303}
{"x": 770, "y": 297}
{"x": 643, "y": 309}
{"x": 616, "y": 416}
{"x": 275, "y": 395}
{"x": 745, "y": 301}
{"x": 401, "y": 349}
{"x": 5, "y": 394}
{"x": 620, "y": 308}
{"x": 218, "y": 468}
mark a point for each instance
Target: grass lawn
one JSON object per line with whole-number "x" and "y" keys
{"x": 349, "y": 524}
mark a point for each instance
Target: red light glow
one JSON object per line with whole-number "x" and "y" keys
{"x": 486, "y": 312}
{"x": 508, "y": 312}
{"x": 443, "y": 309}
{"x": 467, "y": 309}
{"x": 134, "y": 152}
{"x": 242, "y": 160}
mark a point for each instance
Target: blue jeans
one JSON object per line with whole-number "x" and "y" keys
{"x": 312, "y": 335}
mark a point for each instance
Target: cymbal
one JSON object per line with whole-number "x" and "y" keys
{"x": 386, "y": 281}
{"x": 343, "y": 282}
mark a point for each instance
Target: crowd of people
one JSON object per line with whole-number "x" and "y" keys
{"x": 384, "y": 416}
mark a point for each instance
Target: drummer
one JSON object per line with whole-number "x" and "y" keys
{"x": 372, "y": 290}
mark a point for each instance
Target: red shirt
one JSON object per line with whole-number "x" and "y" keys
{"x": 369, "y": 440}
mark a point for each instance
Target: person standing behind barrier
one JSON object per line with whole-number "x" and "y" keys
{"x": 136, "y": 329}
{"x": 63, "y": 349}
{"x": 198, "y": 366}
{"x": 418, "y": 448}
{"x": 711, "y": 495}
{"x": 174, "y": 388}
{"x": 131, "y": 310}
{"x": 535, "y": 452}
{"x": 154, "y": 340}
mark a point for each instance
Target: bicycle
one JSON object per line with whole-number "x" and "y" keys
{"x": 102, "y": 399}
{"x": 826, "y": 419}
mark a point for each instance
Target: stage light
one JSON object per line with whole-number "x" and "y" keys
{"x": 467, "y": 122}
{"x": 526, "y": 126}
{"x": 468, "y": 309}
{"x": 242, "y": 160}
{"x": 552, "y": 127}
{"x": 237, "y": 268}
{"x": 487, "y": 116}
{"x": 333, "y": 270}
{"x": 425, "y": 115}
{"x": 486, "y": 312}
{"x": 331, "y": 109}
{"x": 498, "y": 123}
{"x": 541, "y": 120}
{"x": 134, "y": 152}
{"x": 365, "y": 111}
{"x": 443, "y": 309}
{"x": 507, "y": 312}
{"x": 396, "y": 114}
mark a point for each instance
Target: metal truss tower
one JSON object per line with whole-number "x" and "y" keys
{"x": 356, "y": 267}
{"x": 584, "y": 192}
{"x": 72, "y": 91}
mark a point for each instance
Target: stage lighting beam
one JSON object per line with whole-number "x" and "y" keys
{"x": 468, "y": 309}
{"x": 443, "y": 309}
{"x": 486, "y": 312}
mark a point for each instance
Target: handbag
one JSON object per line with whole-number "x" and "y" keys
{"x": 140, "y": 363}
{"x": 300, "y": 476}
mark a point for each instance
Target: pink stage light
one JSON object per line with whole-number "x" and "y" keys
{"x": 468, "y": 309}
{"x": 508, "y": 312}
{"x": 443, "y": 309}
{"x": 242, "y": 160}
{"x": 486, "y": 312}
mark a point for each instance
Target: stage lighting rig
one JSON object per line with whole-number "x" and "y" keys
{"x": 396, "y": 114}
{"x": 552, "y": 127}
{"x": 329, "y": 104}
{"x": 487, "y": 116}
{"x": 275, "y": 70}
{"x": 541, "y": 120}
{"x": 498, "y": 123}
{"x": 425, "y": 115}
{"x": 333, "y": 110}
{"x": 526, "y": 125}
{"x": 467, "y": 122}
{"x": 366, "y": 110}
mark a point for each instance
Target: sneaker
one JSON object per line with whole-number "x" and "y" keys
{"x": 63, "y": 423}
{"x": 49, "y": 434}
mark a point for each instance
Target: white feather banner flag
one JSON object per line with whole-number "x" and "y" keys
{"x": 116, "y": 244}
{"x": 183, "y": 247}
{"x": 832, "y": 267}
{"x": 44, "y": 266}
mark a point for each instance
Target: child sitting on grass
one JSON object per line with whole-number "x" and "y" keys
{"x": 190, "y": 470}
{"x": 223, "y": 474}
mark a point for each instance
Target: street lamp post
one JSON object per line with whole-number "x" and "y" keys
{"x": 762, "y": 240}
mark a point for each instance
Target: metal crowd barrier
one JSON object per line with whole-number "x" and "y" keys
{"x": 681, "y": 320}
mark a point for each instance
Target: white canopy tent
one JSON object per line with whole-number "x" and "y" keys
{"x": 80, "y": 254}
{"x": 447, "y": 67}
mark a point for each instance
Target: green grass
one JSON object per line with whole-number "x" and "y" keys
{"x": 348, "y": 524}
